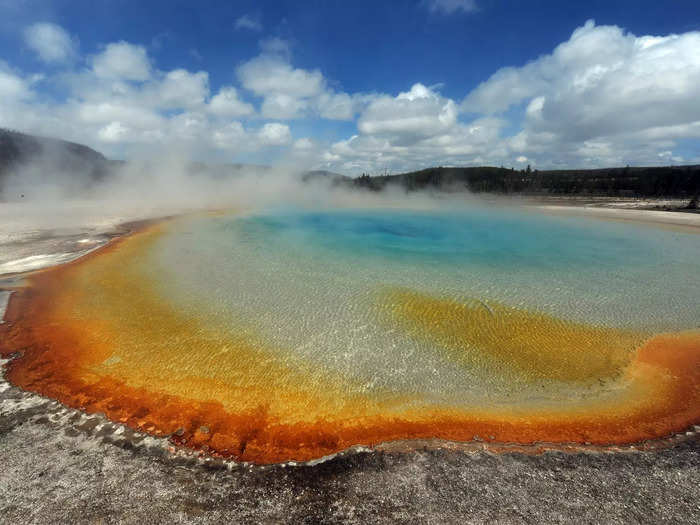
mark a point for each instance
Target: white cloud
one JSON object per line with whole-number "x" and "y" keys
{"x": 474, "y": 143}
{"x": 452, "y": 6}
{"x": 283, "y": 106}
{"x": 265, "y": 75}
{"x": 122, "y": 61}
{"x": 12, "y": 86}
{"x": 604, "y": 96}
{"x": 124, "y": 113}
{"x": 182, "y": 89}
{"x": 226, "y": 103}
{"x": 304, "y": 144}
{"x": 275, "y": 134}
{"x": 248, "y": 21}
{"x": 232, "y": 136}
{"x": 601, "y": 82}
{"x": 290, "y": 92}
{"x": 337, "y": 106}
{"x": 113, "y": 132}
{"x": 125, "y": 104}
{"x": 276, "y": 46}
{"x": 50, "y": 42}
{"x": 419, "y": 112}
{"x": 176, "y": 89}
{"x": 191, "y": 127}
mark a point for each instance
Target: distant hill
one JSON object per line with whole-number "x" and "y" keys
{"x": 36, "y": 160}
{"x": 86, "y": 166}
{"x": 20, "y": 149}
{"x": 669, "y": 181}
{"x": 334, "y": 178}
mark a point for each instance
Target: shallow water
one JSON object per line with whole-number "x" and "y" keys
{"x": 584, "y": 270}
{"x": 312, "y": 282}
{"x": 293, "y": 334}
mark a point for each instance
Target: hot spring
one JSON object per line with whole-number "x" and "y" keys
{"x": 293, "y": 334}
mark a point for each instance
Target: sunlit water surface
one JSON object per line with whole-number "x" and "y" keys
{"x": 292, "y": 334}
{"x": 315, "y": 284}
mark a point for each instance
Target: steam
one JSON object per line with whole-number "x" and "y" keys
{"x": 48, "y": 197}
{"x": 174, "y": 184}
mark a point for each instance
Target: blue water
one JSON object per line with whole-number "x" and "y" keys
{"x": 478, "y": 237}
{"x": 326, "y": 267}
{"x": 310, "y": 283}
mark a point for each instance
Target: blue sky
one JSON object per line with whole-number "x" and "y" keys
{"x": 360, "y": 86}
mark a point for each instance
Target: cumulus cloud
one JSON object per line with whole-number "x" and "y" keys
{"x": 50, "y": 42}
{"x": 337, "y": 106}
{"x": 113, "y": 132}
{"x": 304, "y": 144}
{"x": 269, "y": 74}
{"x": 602, "y": 91}
{"x": 597, "y": 75}
{"x": 290, "y": 92}
{"x": 122, "y": 60}
{"x": 123, "y": 104}
{"x": 248, "y": 21}
{"x": 276, "y": 46}
{"x": 275, "y": 134}
{"x": 416, "y": 128}
{"x": 226, "y": 103}
{"x": 284, "y": 106}
{"x": 476, "y": 142}
{"x": 181, "y": 89}
{"x": 418, "y": 112}
{"x": 602, "y": 97}
{"x": 231, "y": 136}
{"x": 124, "y": 112}
{"x": 451, "y": 6}
{"x": 12, "y": 86}
{"x": 287, "y": 91}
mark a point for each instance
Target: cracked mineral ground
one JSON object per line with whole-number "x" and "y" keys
{"x": 61, "y": 466}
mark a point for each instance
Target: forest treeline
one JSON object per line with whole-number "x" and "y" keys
{"x": 669, "y": 181}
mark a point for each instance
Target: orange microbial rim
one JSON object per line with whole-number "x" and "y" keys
{"x": 93, "y": 333}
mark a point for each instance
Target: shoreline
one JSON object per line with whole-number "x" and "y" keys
{"x": 12, "y": 281}
{"x": 127, "y": 229}
{"x": 669, "y": 220}
{"x": 120, "y": 434}
{"x": 63, "y": 464}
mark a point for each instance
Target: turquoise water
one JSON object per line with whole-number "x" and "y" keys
{"x": 478, "y": 237}
{"x": 309, "y": 282}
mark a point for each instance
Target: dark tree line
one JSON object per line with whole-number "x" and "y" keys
{"x": 671, "y": 181}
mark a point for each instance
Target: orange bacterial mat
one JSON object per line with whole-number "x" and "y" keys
{"x": 98, "y": 335}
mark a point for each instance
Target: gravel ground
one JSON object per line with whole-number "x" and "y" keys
{"x": 61, "y": 466}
